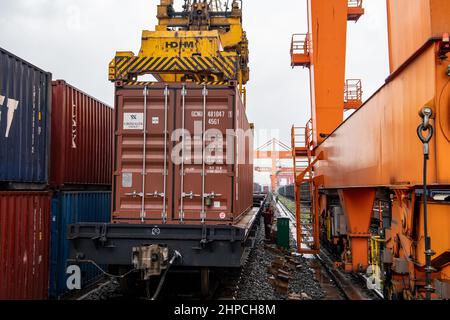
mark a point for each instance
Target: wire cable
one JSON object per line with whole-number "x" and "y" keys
{"x": 425, "y": 126}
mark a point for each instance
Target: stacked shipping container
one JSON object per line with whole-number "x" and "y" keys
{"x": 69, "y": 208}
{"x": 24, "y": 245}
{"x": 81, "y": 141}
{"x": 25, "y": 107}
{"x": 25, "y": 95}
{"x": 81, "y": 158}
{"x": 53, "y": 138}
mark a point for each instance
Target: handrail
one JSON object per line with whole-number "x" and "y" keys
{"x": 355, "y": 3}
{"x": 353, "y": 90}
{"x": 300, "y": 43}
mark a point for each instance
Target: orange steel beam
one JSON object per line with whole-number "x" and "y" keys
{"x": 358, "y": 204}
{"x": 269, "y": 169}
{"x": 411, "y": 23}
{"x": 328, "y": 28}
{"x": 378, "y": 144}
{"x": 271, "y": 154}
{"x": 273, "y": 176}
{"x": 274, "y": 155}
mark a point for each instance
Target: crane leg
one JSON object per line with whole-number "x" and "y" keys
{"x": 358, "y": 205}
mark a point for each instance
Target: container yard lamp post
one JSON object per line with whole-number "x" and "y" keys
{"x": 426, "y": 128}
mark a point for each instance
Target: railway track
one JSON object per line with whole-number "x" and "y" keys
{"x": 351, "y": 287}
{"x": 225, "y": 285}
{"x": 284, "y": 211}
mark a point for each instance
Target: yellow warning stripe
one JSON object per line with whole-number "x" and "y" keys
{"x": 125, "y": 67}
{"x": 203, "y": 83}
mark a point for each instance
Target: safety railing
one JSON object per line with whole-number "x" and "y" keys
{"x": 300, "y": 50}
{"x": 355, "y": 10}
{"x": 355, "y": 3}
{"x": 353, "y": 91}
{"x": 307, "y": 219}
{"x": 300, "y": 43}
{"x": 298, "y": 137}
{"x": 309, "y": 135}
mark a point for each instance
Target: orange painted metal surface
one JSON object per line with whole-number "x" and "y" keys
{"x": 405, "y": 238}
{"x": 276, "y": 154}
{"x": 328, "y": 28}
{"x": 358, "y": 205}
{"x": 438, "y": 225}
{"x": 381, "y": 136}
{"x": 411, "y": 23}
{"x": 377, "y": 148}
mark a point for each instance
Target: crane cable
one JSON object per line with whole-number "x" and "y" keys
{"x": 426, "y": 113}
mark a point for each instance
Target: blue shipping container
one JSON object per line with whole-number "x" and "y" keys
{"x": 69, "y": 208}
{"x": 25, "y": 107}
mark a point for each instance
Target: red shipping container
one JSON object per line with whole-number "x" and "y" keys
{"x": 176, "y": 197}
{"x": 24, "y": 245}
{"x": 82, "y": 137}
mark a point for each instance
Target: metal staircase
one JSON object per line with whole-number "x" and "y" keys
{"x": 306, "y": 209}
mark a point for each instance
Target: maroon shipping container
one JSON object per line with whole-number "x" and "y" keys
{"x": 227, "y": 184}
{"x": 24, "y": 245}
{"x": 82, "y": 136}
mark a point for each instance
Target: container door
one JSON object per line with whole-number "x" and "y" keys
{"x": 143, "y": 174}
{"x": 204, "y": 180}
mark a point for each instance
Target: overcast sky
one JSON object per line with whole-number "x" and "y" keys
{"x": 76, "y": 39}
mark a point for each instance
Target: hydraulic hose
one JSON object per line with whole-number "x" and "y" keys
{"x": 176, "y": 256}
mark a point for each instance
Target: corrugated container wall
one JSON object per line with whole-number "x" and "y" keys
{"x": 175, "y": 194}
{"x": 69, "y": 208}
{"x": 25, "y": 93}
{"x": 24, "y": 245}
{"x": 82, "y": 137}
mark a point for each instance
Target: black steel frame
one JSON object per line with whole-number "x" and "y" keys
{"x": 221, "y": 246}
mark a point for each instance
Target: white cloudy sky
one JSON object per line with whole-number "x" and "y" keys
{"x": 76, "y": 39}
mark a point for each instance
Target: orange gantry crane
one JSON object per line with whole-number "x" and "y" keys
{"x": 274, "y": 154}
{"x": 324, "y": 54}
{"x": 380, "y": 180}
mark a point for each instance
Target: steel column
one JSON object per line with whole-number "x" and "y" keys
{"x": 358, "y": 204}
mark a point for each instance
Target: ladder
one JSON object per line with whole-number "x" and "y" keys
{"x": 305, "y": 193}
